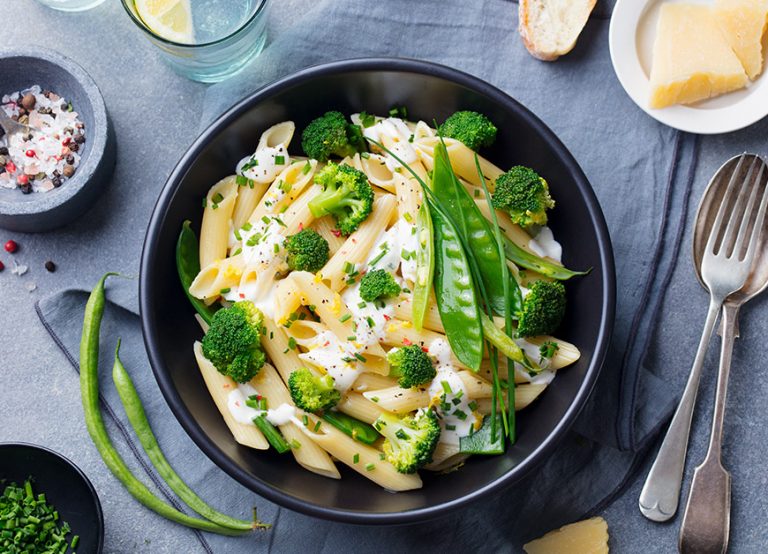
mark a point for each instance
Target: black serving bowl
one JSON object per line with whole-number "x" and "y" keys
{"x": 65, "y": 486}
{"x": 375, "y": 85}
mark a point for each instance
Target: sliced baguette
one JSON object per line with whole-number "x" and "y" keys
{"x": 549, "y": 28}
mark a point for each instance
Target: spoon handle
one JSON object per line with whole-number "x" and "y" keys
{"x": 661, "y": 492}
{"x": 706, "y": 523}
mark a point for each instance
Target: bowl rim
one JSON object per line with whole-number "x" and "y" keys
{"x": 79, "y": 472}
{"x": 401, "y": 65}
{"x": 45, "y": 202}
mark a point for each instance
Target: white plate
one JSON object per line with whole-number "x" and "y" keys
{"x": 631, "y": 36}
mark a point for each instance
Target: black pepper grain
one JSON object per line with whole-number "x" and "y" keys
{"x": 80, "y": 139}
{"x": 74, "y": 147}
{"x": 50, "y": 266}
{"x": 26, "y": 189}
{"x": 4, "y": 150}
{"x": 56, "y": 182}
{"x": 70, "y": 159}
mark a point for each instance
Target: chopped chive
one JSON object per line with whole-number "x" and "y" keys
{"x": 400, "y": 434}
{"x": 280, "y": 160}
{"x": 361, "y": 305}
{"x": 307, "y": 167}
{"x": 370, "y": 322}
{"x": 225, "y": 290}
{"x": 374, "y": 399}
{"x": 277, "y": 248}
{"x": 408, "y": 217}
{"x": 236, "y": 252}
{"x": 355, "y": 458}
{"x": 205, "y": 202}
{"x": 449, "y": 427}
{"x": 367, "y": 119}
{"x": 265, "y": 220}
{"x": 305, "y": 420}
{"x": 460, "y": 414}
{"x": 345, "y": 317}
{"x": 365, "y": 155}
{"x": 360, "y": 357}
{"x": 294, "y": 444}
{"x": 370, "y": 467}
{"x": 349, "y": 267}
{"x": 446, "y": 387}
{"x": 317, "y": 425}
{"x": 351, "y": 337}
{"x": 473, "y": 405}
{"x": 292, "y": 343}
{"x": 217, "y": 198}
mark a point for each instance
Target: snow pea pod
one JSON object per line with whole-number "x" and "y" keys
{"x": 188, "y": 266}
{"x": 455, "y": 292}
{"x": 89, "y": 388}
{"x": 525, "y": 259}
{"x": 425, "y": 265}
{"x": 460, "y": 206}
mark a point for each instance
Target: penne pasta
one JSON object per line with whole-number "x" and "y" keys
{"x": 214, "y": 231}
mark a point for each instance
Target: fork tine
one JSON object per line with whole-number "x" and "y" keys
{"x": 757, "y": 230}
{"x": 739, "y": 217}
{"x": 748, "y": 213}
{"x": 715, "y": 231}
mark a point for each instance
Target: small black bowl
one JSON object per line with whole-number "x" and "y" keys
{"x": 65, "y": 487}
{"x": 376, "y": 85}
{"x": 21, "y": 68}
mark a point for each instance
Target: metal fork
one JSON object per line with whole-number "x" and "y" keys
{"x": 725, "y": 266}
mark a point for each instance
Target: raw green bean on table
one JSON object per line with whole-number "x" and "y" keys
{"x": 455, "y": 293}
{"x": 89, "y": 387}
{"x": 138, "y": 419}
{"x": 358, "y": 430}
{"x": 425, "y": 264}
{"x": 188, "y": 266}
{"x": 477, "y": 232}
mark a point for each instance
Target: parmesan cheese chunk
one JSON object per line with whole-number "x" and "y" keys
{"x": 744, "y": 22}
{"x": 692, "y": 58}
{"x": 585, "y": 537}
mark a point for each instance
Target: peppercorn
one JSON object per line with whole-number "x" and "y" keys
{"x": 50, "y": 266}
{"x": 4, "y": 150}
{"x": 11, "y": 246}
{"x": 26, "y": 189}
{"x": 56, "y": 182}
{"x": 80, "y": 139}
{"x": 74, "y": 147}
{"x": 69, "y": 170}
{"x": 29, "y": 101}
{"x": 70, "y": 159}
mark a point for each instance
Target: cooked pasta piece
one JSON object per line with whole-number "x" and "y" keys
{"x": 219, "y": 387}
{"x": 462, "y": 160}
{"x": 362, "y": 458}
{"x": 214, "y": 231}
{"x": 360, "y": 407}
{"x": 219, "y": 275}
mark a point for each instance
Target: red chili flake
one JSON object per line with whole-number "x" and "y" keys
{"x": 242, "y": 295}
{"x": 354, "y": 241}
{"x": 66, "y": 141}
{"x": 425, "y": 349}
{"x": 406, "y": 341}
{"x": 2, "y": 266}
{"x": 336, "y": 232}
{"x": 237, "y": 403}
{"x": 386, "y": 317}
{"x": 30, "y": 153}
{"x": 11, "y": 246}
{"x": 327, "y": 343}
{"x": 301, "y": 225}
{"x": 23, "y": 179}
{"x": 258, "y": 397}
{"x": 10, "y": 167}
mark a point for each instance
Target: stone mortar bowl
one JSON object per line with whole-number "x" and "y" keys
{"x": 43, "y": 211}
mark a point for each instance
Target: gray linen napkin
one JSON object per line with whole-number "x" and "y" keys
{"x": 642, "y": 173}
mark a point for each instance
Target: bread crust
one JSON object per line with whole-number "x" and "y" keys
{"x": 528, "y": 36}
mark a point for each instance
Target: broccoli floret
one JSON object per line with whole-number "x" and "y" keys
{"x": 332, "y": 135}
{"x": 378, "y": 283}
{"x": 346, "y": 194}
{"x": 524, "y": 194}
{"x": 410, "y": 441}
{"x": 233, "y": 341}
{"x": 312, "y": 393}
{"x": 543, "y": 309}
{"x": 471, "y": 128}
{"x": 411, "y": 365}
{"x": 307, "y": 251}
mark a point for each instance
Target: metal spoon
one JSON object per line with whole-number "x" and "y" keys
{"x": 706, "y": 522}
{"x": 726, "y": 262}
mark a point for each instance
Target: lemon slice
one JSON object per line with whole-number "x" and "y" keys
{"x": 170, "y": 19}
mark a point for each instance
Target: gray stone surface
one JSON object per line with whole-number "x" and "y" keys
{"x": 156, "y": 114}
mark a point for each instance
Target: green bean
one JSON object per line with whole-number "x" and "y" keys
{"x": 138, "y": 419}
{"x": 425, "y": 265}
{"x": 188, "y": 266}
{"x": 89, "y": 387}
{"x": 272, "y": 434}
{"x": 477, "y": 232}
{"x": 455, "y": 293}
{"x": 353, "y": 427}
{"x": 525, "y": 259}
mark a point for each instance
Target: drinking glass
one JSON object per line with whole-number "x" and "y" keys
{"x": 71, "y": 5}
{"x": 228, "y": 34}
